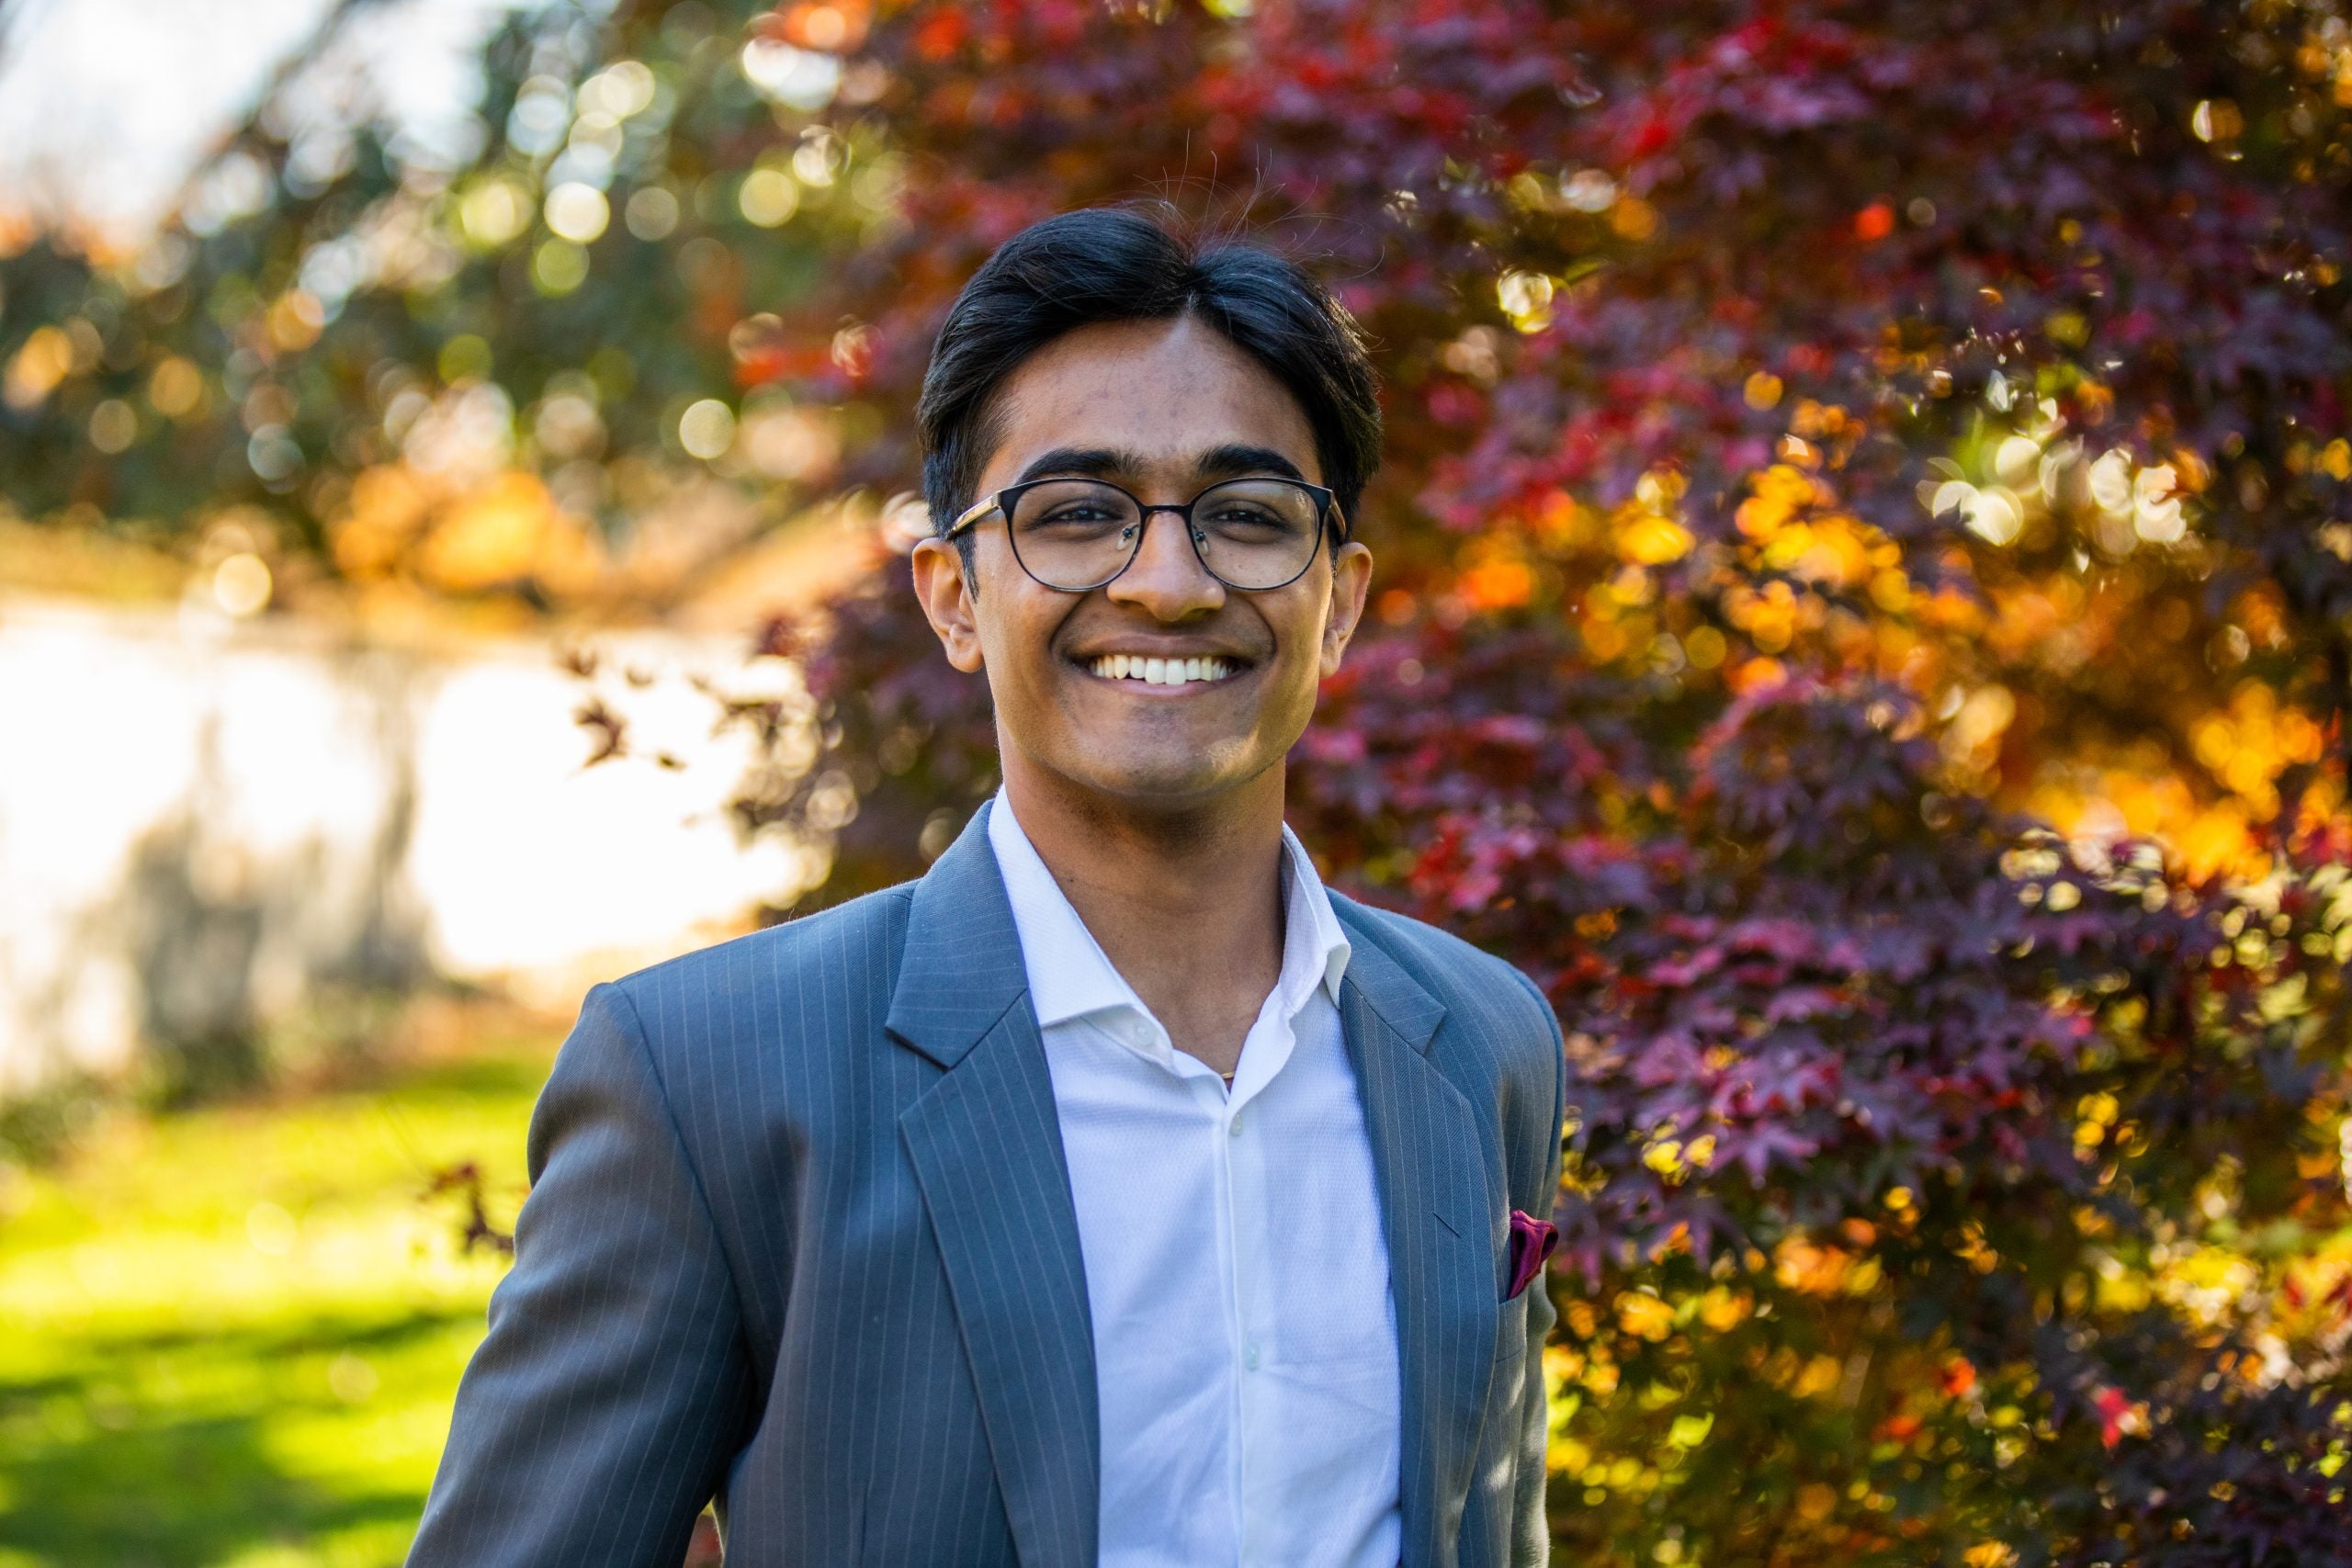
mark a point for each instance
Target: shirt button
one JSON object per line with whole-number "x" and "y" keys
{"x": 1233, "y": 1128}
{"x": 1250, "y": 1358}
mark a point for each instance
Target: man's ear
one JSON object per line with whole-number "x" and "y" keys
{"x": 1351, "y": 579}
{"x": 946, "y": 598}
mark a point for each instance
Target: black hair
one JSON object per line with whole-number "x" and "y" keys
{"x": 1116, "y": 264}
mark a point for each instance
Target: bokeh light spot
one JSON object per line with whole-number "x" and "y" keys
{"x": 270, "y": 1228}
{"x": 707, "y": 429}
{"x": 494, "y": 213}
{"x": 175, "y": 388}
{"x": 113, "y": 426}
{"x": 559, "y": 266}
{"x": 577, "y": 212}
{"x": 241, "y": 586}
{"x": 769, "y": 197}
{"x": 651, "y": 213}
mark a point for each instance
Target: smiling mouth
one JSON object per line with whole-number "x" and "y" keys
{"x": 1153, "y": 672}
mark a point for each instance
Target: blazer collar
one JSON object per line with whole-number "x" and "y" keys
{"x": 1443, "y": 1218}
{"x": 1402, "y": 1002}
{"x": 984, "y": 1140}
{"x": 960, "y": 970}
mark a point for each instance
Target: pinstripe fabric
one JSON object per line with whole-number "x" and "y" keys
{"x": 800, "y": 1237}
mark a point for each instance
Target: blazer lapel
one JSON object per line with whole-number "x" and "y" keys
{"x": 1441, "y": 1248}
{"x": 986, "y": 1146}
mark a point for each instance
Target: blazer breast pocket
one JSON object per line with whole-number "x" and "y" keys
{"x": 1511, "y": 1322}
{"x": 1530, "y": 1242}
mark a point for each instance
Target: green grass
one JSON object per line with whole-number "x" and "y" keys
{"x": 232, "y": 1336}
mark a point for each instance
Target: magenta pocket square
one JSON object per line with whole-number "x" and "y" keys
{"x": 1532, "y": 1241}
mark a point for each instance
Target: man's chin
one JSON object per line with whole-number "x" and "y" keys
{"x": 1168, "y": 782}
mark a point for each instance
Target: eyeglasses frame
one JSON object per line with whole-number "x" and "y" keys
{"x": 1003, "y": 500}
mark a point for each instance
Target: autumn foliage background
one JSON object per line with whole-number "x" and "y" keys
{"x": 1864, "y": 615}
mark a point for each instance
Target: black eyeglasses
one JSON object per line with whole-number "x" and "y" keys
{"x": 1074, "y": 535}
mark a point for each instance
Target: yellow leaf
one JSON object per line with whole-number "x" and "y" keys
{"x": 1652, "y": 540}
{"x": 1645, "y": 1316}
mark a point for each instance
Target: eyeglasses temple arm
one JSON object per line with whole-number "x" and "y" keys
{"x": 972, "y": 514}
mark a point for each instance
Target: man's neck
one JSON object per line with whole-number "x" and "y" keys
{"x": 1187, "y": 904}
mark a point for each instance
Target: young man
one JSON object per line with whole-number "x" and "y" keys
{"x": 1114, "y": 1193}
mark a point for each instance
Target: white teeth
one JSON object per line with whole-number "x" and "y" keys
{"x": 1158, "y": 672}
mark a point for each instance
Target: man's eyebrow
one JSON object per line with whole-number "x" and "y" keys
{"x": 1225, "y": 462}
{"x": 1095, "y": 462}
{"x": 1111, "y": 462}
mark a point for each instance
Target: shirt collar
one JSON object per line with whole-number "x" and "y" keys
{"x": 1324, "y": 958}
{"x": 1069, "y": 976}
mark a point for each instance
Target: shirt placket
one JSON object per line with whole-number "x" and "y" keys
{"x": 1223, "y": 1128}
{"x": 1243, "y": 1159}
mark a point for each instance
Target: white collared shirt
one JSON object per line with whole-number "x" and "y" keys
{"x": 1245, "y": 1337}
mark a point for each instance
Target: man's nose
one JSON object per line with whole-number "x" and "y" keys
{"x": 1165, "y": 578}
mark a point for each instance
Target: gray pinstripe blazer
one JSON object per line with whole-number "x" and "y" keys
{"x": 801, "y": 1239}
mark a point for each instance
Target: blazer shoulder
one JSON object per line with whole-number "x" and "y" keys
{"x": 1467, "y": 978}
{"x": 865, "y": 932}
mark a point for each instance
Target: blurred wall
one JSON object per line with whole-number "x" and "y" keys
{"x": 204, "y": 820}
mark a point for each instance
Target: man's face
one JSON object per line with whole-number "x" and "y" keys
{"x": 1163, "y": 408}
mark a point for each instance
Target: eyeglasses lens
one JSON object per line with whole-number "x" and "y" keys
{"x": 1254, "y": 533}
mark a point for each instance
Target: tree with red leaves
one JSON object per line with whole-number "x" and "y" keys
{"x": 1866, "y": 607}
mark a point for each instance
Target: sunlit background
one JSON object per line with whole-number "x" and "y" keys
{"x": 321, "y": 858}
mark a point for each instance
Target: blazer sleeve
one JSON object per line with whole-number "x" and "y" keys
{"x": 1531, "y": 1536}
{"x": 599, "y": 1415}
